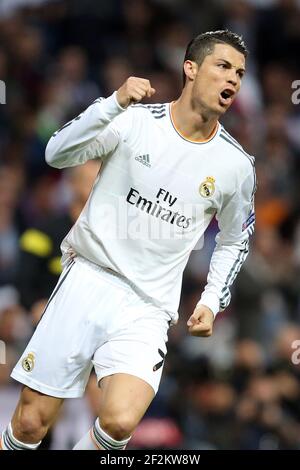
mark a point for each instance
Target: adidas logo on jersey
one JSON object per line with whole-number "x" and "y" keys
{"x": 144, "y": 159}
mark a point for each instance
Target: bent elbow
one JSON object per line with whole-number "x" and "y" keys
{"x": 52, "y": 156}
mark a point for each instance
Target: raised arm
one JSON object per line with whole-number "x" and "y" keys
{"x": 93, "y": 134}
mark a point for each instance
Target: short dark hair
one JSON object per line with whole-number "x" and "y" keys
{"x": 203, "y": 45}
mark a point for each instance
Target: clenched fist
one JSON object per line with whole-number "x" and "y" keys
{"x": 133, "y": 91}
{"x": 201, "y": 321}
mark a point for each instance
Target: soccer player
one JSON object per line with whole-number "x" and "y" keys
{"x": 167, "y": 170}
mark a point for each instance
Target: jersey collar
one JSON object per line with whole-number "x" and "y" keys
{"x": 215, "y": 131}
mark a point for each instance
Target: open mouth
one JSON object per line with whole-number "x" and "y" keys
{"x": 226, "y": 96}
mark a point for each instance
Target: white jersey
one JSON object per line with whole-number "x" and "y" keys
{"x": 154, "y": 198}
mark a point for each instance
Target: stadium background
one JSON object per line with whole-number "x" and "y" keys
{"x": 240, "y": 389}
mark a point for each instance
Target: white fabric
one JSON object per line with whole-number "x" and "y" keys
{"x": 93, "y": 317}
{"x": 87, "y": 443}
{"x": 97, "y": 439}
{"x": 146, "y": 212}
{"x": 9, "y": 442}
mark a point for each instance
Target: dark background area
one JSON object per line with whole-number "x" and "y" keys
{"x": 239, "y": 389}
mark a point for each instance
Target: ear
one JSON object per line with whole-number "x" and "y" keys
{"x": 190, "y": 69}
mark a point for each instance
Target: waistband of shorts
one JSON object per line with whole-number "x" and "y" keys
{"x": 123, "y": 282}
{"x": 114, "y": 277}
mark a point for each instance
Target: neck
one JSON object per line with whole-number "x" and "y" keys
{"x": 192, "y": 123}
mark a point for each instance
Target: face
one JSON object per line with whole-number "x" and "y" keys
{"x": 217, "y": 81}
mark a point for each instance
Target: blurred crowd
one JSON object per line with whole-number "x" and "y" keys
{"x": 239, "y": 389}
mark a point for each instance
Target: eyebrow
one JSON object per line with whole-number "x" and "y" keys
{"x": 240, "y": 69}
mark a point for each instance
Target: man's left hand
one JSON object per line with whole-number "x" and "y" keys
{"x": 201, "y": 321}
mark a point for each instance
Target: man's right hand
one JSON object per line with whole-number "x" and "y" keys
{"x": 133, "y": 91}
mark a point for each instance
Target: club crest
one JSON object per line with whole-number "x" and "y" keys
{"x": 207, "y": 188}
{"x": 28, "y": 362}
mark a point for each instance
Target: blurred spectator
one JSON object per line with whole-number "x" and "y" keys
{"x": 40, "y": 254}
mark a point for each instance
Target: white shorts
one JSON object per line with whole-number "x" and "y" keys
{"x": 95, "y": 318}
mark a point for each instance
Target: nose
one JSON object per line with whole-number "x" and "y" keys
{"x": 232, "y": 77}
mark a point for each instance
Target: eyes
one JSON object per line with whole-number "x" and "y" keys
{"x": 228, "y": 66}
